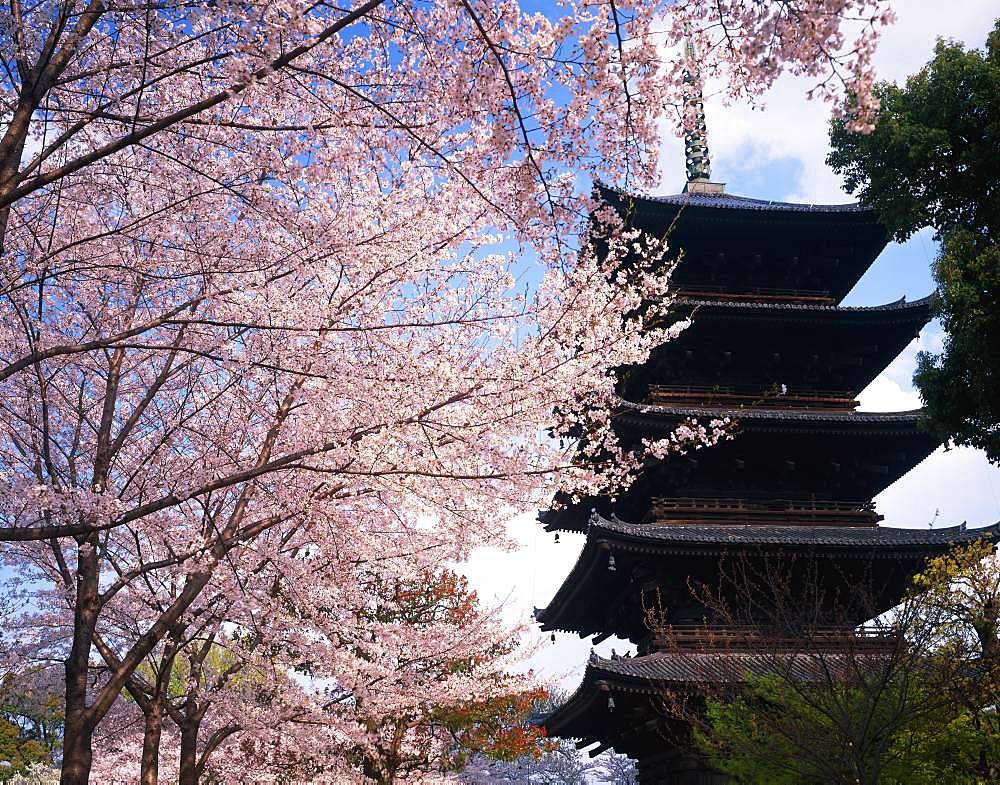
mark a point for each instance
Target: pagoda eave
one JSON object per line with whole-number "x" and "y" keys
{"x": 781, "y": 355}
{"x": 830, "y": 245}
{"x": 633, "y": 692}
{"x": 726, "y": 206}
{"x": 583, "y": 603}
{"x": 653, "y": 417}
{"x": 872, "y": 316}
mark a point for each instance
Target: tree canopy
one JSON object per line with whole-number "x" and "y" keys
{"x": 932, "y": 161}
{"x": 921, "y": 710}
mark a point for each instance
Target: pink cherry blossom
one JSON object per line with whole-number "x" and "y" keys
{"x": 301, "y": 298}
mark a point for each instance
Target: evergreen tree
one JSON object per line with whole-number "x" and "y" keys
{"x": 932, "y": 160}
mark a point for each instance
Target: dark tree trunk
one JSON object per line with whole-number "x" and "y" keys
{"x": 77, "y": 756}
{"x": 189, "y": 754}
{"x": 150, "y": 765}
{"x": 79, "y": 727}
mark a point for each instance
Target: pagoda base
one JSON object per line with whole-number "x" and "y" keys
{"x": 671, "y": 769}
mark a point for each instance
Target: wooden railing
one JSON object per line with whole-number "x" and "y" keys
{"x": 750, "y": 395}
{"x": 755, "y": 294}
{"x": 679, "y": 509}
{"x": 730, "y": 638}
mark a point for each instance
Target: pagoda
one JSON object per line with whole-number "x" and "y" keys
{"x": 771, "y": 347}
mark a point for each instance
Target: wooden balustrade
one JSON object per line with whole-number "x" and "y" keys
{"x": 729, "y": 638}
{"x": 747, "y": 395}
{"x": 755, "y": 294}
{"x": 681, "y": 510}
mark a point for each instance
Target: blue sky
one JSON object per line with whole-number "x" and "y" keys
{"x": 777, "y": 152}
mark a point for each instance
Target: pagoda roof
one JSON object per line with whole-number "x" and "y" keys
{"x": 807, "y": 247}
{"x": 665, "y": 418}
{"x": 909, "y": 310}
{"x": 648, "y": 672}
{"x": 764, "y": 439}
{"x": 630, "y": 535}
{"x": 590, "y": 583}
{"x": 638, "y": 683}
{"x": 728, "y": 201}
{"x": 742, "y": 347}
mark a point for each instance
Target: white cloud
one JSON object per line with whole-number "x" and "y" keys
{"x": 885, "y": 395}
{"x": 790, "y": 131}
{"x": 949, "y": 487}
{"x": 529, "y": 577}
{"x": 892, "y": 390}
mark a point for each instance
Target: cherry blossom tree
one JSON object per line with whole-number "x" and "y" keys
{"x": 434, "y": 687}
{"x": 267, "y": 287}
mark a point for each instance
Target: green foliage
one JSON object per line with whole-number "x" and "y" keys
{"x": 17, "y": 751}
{"x": 30, "y": 721}
{"x": 923, "y": 712}
{"x": 961, "y": 386}
{"x": 939, "y": 750}
{"x": 932, "y": 160}
{"x": 774, "y": 733}
{"x": 780, "y": 732}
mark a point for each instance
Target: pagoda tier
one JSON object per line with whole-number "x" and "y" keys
{"x": 779, "y": 466}
{"x": 625, "y": 703}
{"x": 751, "y": 247}
{"x": 621, "y": 704}
{"x": 625, "y": 567}
{"x": 777, "y": 355}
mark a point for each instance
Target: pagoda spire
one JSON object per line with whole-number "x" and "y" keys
{"x": 696, "y": 156}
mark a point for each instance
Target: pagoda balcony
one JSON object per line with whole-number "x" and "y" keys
{"x": 756, "y": 294}
{"x": 722, "y": 638}
{"x": 752, "y": 395}
{"x": 790, "y": 512}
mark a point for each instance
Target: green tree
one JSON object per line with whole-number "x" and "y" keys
{"x": 30, "y": 720}
{"x": 932, "y": 160}
{"x": 777, "y": 733}
{"x": 921, "y": 710}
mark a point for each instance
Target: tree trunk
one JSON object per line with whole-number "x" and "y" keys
{"x": 77, "y": 755}
{"x": 79, "y": 728}
{"x": 189, "y": 754}
{"x": 11, "y": 150}
{"x": 149, "y": 773}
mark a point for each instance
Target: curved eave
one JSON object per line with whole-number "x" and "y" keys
{"x": 584, "y": 714}
{"x": 633, "y": 420}
{"x": 649, "y": 417}
{"x": 565, "y": 721}
{"x": 712, "y": 205}
{"x": 872, "y": 336}
{"x": 877, "y": 540}
{"x": 577, "y": 579}
{"x": 639, "y": 682}
{"x": 584, "y": 583}
{"x": 586, "y": 709}
{"x": 917, "y": 312}
{"x": 701, "y": 223}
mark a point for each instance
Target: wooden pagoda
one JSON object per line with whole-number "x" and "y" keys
{"x": 770, "y": 347}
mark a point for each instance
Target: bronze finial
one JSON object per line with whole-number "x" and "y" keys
{"x": 699, "y": 164}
